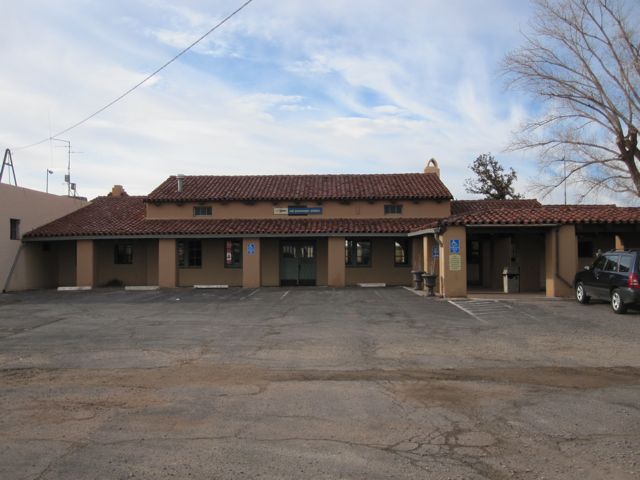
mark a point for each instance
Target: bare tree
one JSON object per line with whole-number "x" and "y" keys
{"x": 582, "y": 58}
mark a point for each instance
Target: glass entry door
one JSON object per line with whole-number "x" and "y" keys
{"x": 297, "y": 262}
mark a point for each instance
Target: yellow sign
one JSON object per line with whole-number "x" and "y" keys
{"x": 455, "y": 262}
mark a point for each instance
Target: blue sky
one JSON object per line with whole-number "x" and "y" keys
{"x": 287, "y": 86}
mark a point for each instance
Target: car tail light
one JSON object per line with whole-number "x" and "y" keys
{"x": 633, "y": 281}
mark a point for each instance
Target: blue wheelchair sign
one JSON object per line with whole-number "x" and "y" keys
{"x": 454, "y": 246}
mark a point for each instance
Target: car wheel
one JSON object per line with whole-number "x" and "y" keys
{"x": 617, "y": 304}
{"x": 581, "y": 294}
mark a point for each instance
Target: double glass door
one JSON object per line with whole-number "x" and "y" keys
{"x": 297, "y": 262}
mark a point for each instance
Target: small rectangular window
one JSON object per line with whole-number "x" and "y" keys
{"x": 14, "y": 230}
{"x": 392, "y": 209}
{"x": 123, "y": 254}
{"x": 233, "y": 253}
{"x": 189, "y": 253}
{"x": 202, "y": 211}
{"x": 358, "y": 253}
{"x": 401, "y": 252}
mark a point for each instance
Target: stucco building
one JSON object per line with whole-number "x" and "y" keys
{"x": 30, "y": 265}
{"x": 333, "y": 230}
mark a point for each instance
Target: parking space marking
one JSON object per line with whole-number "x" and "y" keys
{"x": 468, "y": 312}
{"x": 284, "y": 294}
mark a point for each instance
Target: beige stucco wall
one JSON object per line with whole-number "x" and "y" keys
{"x": 85, "y": 263}
{"x": 336, "y": 271}
{"x": 143, "y": 270}
{"x": 565, "y": 257}
{"x": 33, "y": 209}
{"x": 359, "y": 209}
{"x": 167, "y": 263}
{"x": 212, "y": 271}
{"x": 382, "y": 269}
{"x": 453, "y": 283}
{"x": 36, "y": 267}
{"x": 251, "y": 263}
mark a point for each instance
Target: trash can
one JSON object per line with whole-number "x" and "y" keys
{"x": 511, "y": 279}
{"x": 417, "y": 279}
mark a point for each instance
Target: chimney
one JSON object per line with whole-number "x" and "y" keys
{"x": 432, "y": 167}
{"x": 180, "y": 179}
{"x": 118, "y": 191}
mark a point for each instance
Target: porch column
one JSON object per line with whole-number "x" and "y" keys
{"x": 561, "y": 260}
{"x": 250, "y": 262}
{"x": 453, "y": 262}
{"x": 336, "y": 274}
{"x": 431, "y": 263}
{"x": 167, "y": 263}
{"x": 85, "y": 263}
{"x": 619, "y": 242}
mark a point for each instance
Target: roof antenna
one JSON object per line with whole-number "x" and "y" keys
{"x": 8, "y": 162}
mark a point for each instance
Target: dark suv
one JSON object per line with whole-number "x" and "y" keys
{"x": 612, "y": 277}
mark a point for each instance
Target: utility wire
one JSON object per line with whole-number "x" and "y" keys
{"x": 147, "y": 78}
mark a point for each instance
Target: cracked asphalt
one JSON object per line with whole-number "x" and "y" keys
{"x": 315, "y": 383}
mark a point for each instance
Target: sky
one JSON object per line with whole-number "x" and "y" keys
{"x": 285, "y": 87}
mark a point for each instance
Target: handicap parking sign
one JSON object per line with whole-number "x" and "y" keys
{"x": 251, "y": 249}
{"x": 454, "y": 246}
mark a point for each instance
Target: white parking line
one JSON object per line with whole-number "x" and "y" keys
{"x": 468, "y": 312}
{"x": 284, "y": 294}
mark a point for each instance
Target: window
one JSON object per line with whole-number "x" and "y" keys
{"x": 233, "y": 253}
{"x": 599, "y": 263}
{"x": 625, "y": 263}
{"x": 14, "y": 231}
{"x": 189, "y": 253}
{"x": 392, "y": 209}
{"x": 357, "y": 253}
{"x": 401, "y": 252}
{"x": 202, "y": 211}
{"x": 612, "y": 264}
{"x": 123, "y": 254}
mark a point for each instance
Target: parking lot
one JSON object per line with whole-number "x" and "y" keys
{"x": 315, "y": 383}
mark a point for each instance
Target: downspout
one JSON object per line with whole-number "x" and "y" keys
{"x": 558, "y": 276}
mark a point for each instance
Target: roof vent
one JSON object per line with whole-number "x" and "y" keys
{"x": 432, "y": 167}
{"x": 180, "y": 178}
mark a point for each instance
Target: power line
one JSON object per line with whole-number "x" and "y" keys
{"x": 147, "y": 78}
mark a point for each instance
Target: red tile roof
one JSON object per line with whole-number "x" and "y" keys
{"x": 414, "y": 186}
{"x": 125, "y": 216}
{"x": 468, "y": 206}
{"x": 548, "y": 214}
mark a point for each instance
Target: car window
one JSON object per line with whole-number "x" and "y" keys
{"x": 612, "y": 264}
{"x": 625, "y": 263}
{"x": 599, "y": 263}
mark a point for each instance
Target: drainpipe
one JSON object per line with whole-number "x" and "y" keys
{"x": 558, "y": 276}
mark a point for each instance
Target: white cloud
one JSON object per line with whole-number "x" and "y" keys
{"x": 285, "y": 87}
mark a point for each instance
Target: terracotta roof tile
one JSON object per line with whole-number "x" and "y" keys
{"x": 302, "y": 187}
{"x": 468, "y": 206}
{"x": 124, "y": 216}
{"x": 548, "y": 214}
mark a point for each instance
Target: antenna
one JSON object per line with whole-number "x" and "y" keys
{"x": 8, "y": 162}
{"x": 67, "y": 177}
